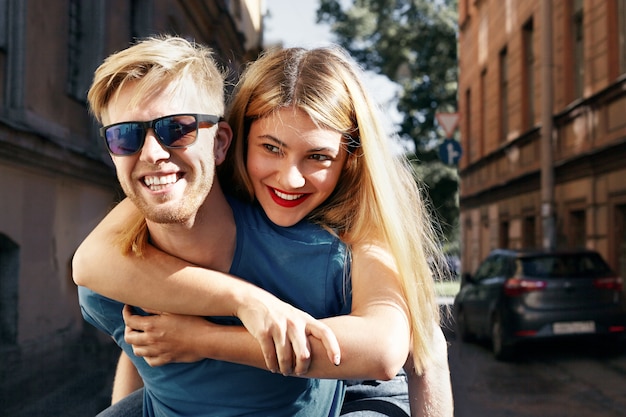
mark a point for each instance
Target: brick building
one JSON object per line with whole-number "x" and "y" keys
{"x": 542, "y": 98}
{"x": 56, "y": 179}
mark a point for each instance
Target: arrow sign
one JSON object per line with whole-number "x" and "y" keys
{"x": 448, "y": 122}
{"x": 450, "y": 152}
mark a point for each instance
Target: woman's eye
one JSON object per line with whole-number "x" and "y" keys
{"x": 272, "y": 148}
{"x": 320, "y": 157}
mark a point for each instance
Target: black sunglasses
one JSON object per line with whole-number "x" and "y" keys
{"x": 173, "y": 131}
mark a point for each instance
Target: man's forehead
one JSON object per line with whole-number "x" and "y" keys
{"x": 137, "y": 103}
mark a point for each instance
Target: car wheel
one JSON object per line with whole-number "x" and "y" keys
{"x": 501, "y": 349}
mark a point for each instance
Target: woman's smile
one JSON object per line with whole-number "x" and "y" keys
{"x": 287, "y": 199}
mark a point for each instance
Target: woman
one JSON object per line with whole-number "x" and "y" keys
{"x": 374, "y": 205}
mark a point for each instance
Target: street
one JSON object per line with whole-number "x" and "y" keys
{"x": 568, "y": 379}
{"x": 565, "y": 379}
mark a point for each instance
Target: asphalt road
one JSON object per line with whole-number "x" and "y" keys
{"x": 566, "y": 379}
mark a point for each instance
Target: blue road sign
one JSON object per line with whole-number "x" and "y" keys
{"x": 450, "y": 152}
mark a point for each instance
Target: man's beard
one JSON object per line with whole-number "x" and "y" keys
{"x": 167, "y": 215}
{"x": 170, "y": 212}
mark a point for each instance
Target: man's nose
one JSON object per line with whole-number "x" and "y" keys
{"x": 152, "y": 150}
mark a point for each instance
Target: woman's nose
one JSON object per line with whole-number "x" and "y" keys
{"x": 291, "y": 177}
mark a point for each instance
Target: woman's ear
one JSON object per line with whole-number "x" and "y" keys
{"x": 223, "y": 140}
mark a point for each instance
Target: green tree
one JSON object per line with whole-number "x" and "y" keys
{"x": 412, "y": 42}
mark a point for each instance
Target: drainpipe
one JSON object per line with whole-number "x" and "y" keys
{"x": 547, "y": 168}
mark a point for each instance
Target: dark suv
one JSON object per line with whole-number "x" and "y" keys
{"x": 524, "y": 295}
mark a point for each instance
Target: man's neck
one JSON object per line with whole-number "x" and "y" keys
{"x": 207, "y": 240}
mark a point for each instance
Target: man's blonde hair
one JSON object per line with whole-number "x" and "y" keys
{"x": 157, "y": 63}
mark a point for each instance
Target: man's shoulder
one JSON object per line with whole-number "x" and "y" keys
{"x": 100, "y": 311}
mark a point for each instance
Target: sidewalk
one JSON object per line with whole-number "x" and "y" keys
{"x": 74, "y": 383}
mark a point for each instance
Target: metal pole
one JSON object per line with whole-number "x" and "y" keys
{"x": 547, "y": 168}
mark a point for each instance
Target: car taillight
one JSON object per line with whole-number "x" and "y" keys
{"x": 514, "y": 287}
{"x": 611, "y": 283}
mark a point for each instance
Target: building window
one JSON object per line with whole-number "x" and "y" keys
{"x": 529, "y": 236}
{"x": 9, "y": 272}
{"x": 4, "y": 23}
{"x": 504, "y": 95}
{"x": 85, "y": 45}
{"x": 578, "y": 48}
{"x": 577, "y": 235}
{"x": 504, "y": 234}
{"x": 483, "y": 111}
{"x": 468, "y": 125}
{"x": 620, "y": 241}
{"x": 141, "y": 19}
{"x": 528, "y": 75}
{"x": 463, "y": 11}
{"x": 621, "y": 33}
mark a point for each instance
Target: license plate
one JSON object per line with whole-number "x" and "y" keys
{"x": 574, "y": 327}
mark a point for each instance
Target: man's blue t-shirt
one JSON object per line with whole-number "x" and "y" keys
{"x": 303, "y": 265}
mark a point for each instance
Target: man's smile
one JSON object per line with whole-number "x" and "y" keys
{"x": 160, "y": 182}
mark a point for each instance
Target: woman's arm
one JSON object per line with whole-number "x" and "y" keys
{"x": 374, "y": 338}
{"x": 149, "y": 281}
{"x": 430, "y": 394}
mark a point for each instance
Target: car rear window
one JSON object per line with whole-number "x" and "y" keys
{"x": 565, "y": 265}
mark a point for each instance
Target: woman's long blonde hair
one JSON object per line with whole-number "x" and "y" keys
{"x": 377, "y": 198}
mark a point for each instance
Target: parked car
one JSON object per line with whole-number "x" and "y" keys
{"x": 517, "y": 296}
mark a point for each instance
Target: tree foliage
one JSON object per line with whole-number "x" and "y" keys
{"x": 412, "y": 42}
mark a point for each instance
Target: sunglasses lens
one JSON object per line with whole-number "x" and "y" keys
{"x": 125, "y": 138}
{"x": 177, "y": 131}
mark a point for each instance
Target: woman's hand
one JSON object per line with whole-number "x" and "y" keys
{"x": 163, "y": 337}
{"x": 282, "y": 331}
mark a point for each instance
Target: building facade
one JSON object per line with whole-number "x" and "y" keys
{"x": 542, "y": 98}
{"x": 56, "y": 177}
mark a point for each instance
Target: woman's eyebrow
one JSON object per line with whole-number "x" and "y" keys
{"x": 283, "y": 145}
{"x": 273, "y": 139}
